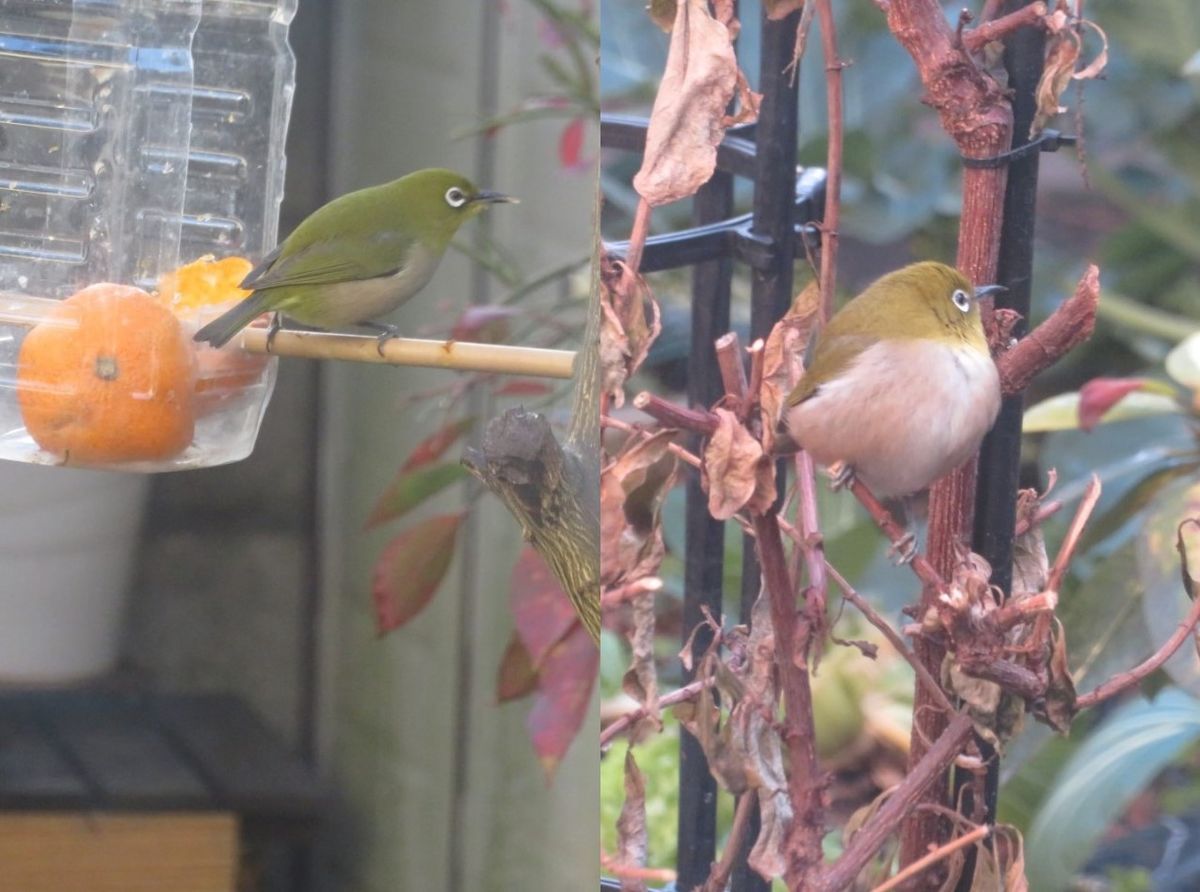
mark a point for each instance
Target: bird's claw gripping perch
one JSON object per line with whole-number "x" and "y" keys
{"x": 904, "y": 549}
{"x": 386, "y": 333}
{"x": 843, "y": 478}
{"x": 273, "y": 329}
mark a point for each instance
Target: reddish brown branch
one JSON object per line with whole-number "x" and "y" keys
{"x": 937, "y": 855}
{"x": 997, "y": 29}
{"x": 792, "y": 634}
{"x": 672, "y": 415}
{"x": 1063, "y": 560}
{"x": 875, "y": 832}
{"x": 1066, "y": 328}
{"x": 831, "y": 219}
{"x": 810, "y": 530}
{"x": 896, "y": 533}
{"x": 893, "y": 637}
{"x": 687, "y": 692}
{"x": 733, "y": 372}
{"x": 637, "y": 237}
{"x": 1126, "y": 680}
{"x": 718, "y": 879}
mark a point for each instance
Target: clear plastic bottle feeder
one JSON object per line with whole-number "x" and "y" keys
{"x": 141, "y": 173}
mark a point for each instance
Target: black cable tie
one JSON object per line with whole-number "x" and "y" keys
{"x": 1049, "y": 141}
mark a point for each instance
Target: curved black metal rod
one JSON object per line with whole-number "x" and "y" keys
{"x": 733, "y": 237}
{"x": 735, "y": 154}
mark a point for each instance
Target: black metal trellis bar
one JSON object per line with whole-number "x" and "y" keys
{"x": 1000, "y": 454}
{"x": 786, "y": 201}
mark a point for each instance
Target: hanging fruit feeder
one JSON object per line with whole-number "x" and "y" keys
{"x": 141, "y": 165}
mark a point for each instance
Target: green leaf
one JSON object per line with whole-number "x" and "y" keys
{"x": 411, "y": 488}
{"x": 1101, "y": 778}
{"x": 411, "y": 568}
{"x": 1183, "y": 362}
{"x": 1165, "y": 602}
{"x": 1061, "y": 412}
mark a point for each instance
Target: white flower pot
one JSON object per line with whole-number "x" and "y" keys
{"x": 67, "y": 542}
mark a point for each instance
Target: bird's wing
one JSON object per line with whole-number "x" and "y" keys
{"x": 833, "y": 354}
{"x": 334, "y": 260}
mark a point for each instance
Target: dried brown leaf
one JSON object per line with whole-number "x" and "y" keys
{"x": 783, "y": 358}
{"x": 632, "y": 488}
{"x": 1031, "y": 564}
{"x": 731, "y": 464}
{"x": 629, "y": 323}
{"x": 631, "y": 825}
{"x": 1096, "y": 67}
{"x": 1062, "y": 54}
{"x": 1057, "y": 708}
{"x": 687, "y": 121}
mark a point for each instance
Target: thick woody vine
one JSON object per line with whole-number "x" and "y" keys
{"x": 981, "y": 661}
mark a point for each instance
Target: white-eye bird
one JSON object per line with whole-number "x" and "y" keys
{"x": 358, "y": 257}
{"x": 900, "y": 385}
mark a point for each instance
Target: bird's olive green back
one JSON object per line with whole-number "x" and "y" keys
{"x": 368, "y": 233}
{"x": 910, "y": 303}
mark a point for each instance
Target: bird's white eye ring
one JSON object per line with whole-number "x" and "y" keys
{"x": 455, "y": 197}
{"x": 961, "y": 299}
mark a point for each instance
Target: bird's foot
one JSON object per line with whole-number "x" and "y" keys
{"x": 843, "y": 476}
{"x": 386, "y": 333}
{"x": 273, "y": 329}
{"x": 904, "y": 549}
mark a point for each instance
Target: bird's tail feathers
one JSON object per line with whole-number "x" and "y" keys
{"x": 222, "y": 329}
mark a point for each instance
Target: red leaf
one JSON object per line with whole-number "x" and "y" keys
{"x": 570, "y": 145}
{"x": 522, "y": 387}
{"x": 432, "y": 447}
{"x": 411, "y": 568}
{"x": 485, "y": 323}
{"x": 1101, "y": 394}
{"x": 517, "y": 676}
{"x": 411, "y": 488}
{"x": 540, "y": 607}
{"x": 565, "y": 679}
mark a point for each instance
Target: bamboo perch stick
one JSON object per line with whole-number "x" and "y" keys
{"x": 461, "y": 355}
{"x": 26, "y": 311}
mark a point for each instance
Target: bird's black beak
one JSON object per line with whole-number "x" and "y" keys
{"x": 486, "y": 197}
{"x": 988, "y": 290}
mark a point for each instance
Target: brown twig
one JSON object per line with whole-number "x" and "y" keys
{"x": 1126, "y": 680}
{"x": 1066, "y": 328}
{"x": 622, "y": 593}
{"x": 874, "y": 833}
{"x": 810, "y": 529}
{"x": 756, "y": 351}
{"x": 733, "y": 372}
{"x": 679, "y": 695}
{"x": 896, "y": 533}
{"x": 938, "y": 854}
{"x": 637, "y": 237}
{"x": 672, "y": 415}
{"x": 830, "y": 220}
{"x": 792, "y": 635}
{"x": 719, "y": 877}
{"x": 894, "y": 638}
{"x": 1063, "y": 560}
{"x": 634, "y": 430}
{"x": 1046, "y": 511}
{"x": 997, "y": 29}
{"x": 991, "y": 9}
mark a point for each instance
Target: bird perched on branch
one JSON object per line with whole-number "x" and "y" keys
{"x": 900, "y": 385}
{"x": 358, "y": 257}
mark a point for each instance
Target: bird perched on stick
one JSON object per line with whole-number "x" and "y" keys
{"x": 900, "y": 385}
{"x": 358, "y": 257}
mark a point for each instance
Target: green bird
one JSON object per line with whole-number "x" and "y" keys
{"x": 358, "y": 257}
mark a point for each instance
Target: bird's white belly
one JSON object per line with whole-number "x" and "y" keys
{"x": 903, "y": 415}
{"x": 365, "y": 300}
